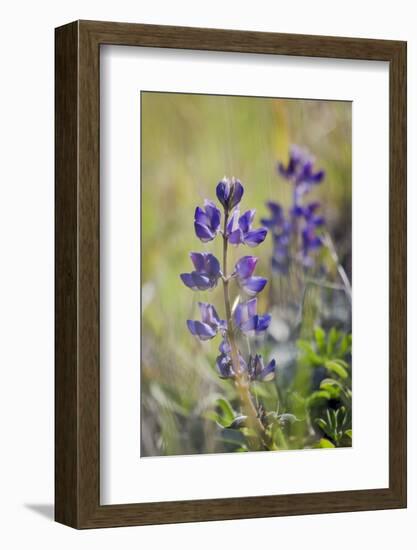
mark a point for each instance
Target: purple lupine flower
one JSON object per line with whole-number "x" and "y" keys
{"x": 310, "y": 239}
{"x": 225, "y": 367}
{"x": 248, "y": 320}
{"x": 224, "y": 362}
{"x": 243, "y": 271}
{"x": 300, "y": 172}
{"x": 206, "y": 274}
{"x": 310, "y": 242}
{"x": 309, "y": 213}
{"x": 277, "y": 218}
{"x": 209, "y": 325}
{"x": 229, "y": 192}
{"x": 239, "y": 229}
{"x": 207, "y": 221}
{"x": 258, "y": 371}
{"x": 281, "y": 229}
{"x": 295, "y": 235}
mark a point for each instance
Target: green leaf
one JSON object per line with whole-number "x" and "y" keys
{"x": 228, "y": 413}
{"x": 332, "y": 339}
{"x": 349, "y": 433}
{"x": 335, "y": 367}
{"x": 318, "y": 397}
{"x": 322, "y": 424}
{"x": 309, "y": 352}
{"x": 324, "y": 444}
{"x": 320, "y": 336}
{"x": 345, "y": 344}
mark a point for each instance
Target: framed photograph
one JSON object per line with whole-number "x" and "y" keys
{"x": 230, "y": 274}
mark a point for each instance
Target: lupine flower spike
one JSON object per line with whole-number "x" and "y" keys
{"x": 231, "y": 363}
{"x": 296, "y": 236}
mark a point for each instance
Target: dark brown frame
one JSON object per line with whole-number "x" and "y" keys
{"x": 77, "y": 274}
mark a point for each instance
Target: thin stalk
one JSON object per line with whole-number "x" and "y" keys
{"x": 342, "y": 273}
{"x": 241, "y": 380}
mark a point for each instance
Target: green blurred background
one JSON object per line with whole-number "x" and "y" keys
{"x": 189, "y": 142}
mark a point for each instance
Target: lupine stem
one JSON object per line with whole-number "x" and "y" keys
{"x": 241, "y": 380}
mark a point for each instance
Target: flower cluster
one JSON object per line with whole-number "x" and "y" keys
{"x": 296, "y": 235}
{"x": 236, "y": 230}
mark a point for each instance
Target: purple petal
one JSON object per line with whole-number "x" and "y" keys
{"x": 223, "y": 191}
{"x": 198, "y": 260}
{"x": 213, "y": 214}
{"x": 203, "y": 232}
{"x": 268, "y": 373}
{"x": 241, "y": 314}
{"x": 297, "y": 211}
{"x": 317, "y": 177}
{"x": 253, "y": 285}
{"x": 209, "y": 314}
{"x": 191, "y": 327}
{"x": 275, "y": 208}
{"x": 283, "y": 171}
{"x": 237, "y": 193}
{"x": 245, "y": 266}
{"x": 224, "y": 346}
{"x": 245, "y": 221}
{"x": 263, "y": 323}
{"x": 203, "y": 331}
{"x": 268, "y": 223}
{"x": 318, "y": 221}
{"x": 236, "y": 237}
{"x": 212, "y": 265}
{"x": 233, "y": 224}
{"x": 257, "y": 364}
{"x": 224, "y": 366}
{"x": 250, "y": 325}
{"x": 255, "y": 237}
{"x": 188, "y": 280}
{"x": 201, "y": 217}
{"x": 201, "y": 282}
{"x": 311, "y": 208}
{"x": 277, "y": 215}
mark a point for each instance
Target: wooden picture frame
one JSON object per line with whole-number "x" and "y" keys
{"x": 77, "y": 382}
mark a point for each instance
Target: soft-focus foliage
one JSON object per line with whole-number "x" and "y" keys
{"x": 187, "y": 142}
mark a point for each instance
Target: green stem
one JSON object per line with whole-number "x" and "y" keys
{"x": 241, "y": 380}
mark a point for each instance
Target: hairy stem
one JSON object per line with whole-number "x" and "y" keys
{"x": 241, "y": 380}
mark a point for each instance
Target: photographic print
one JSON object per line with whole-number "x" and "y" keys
{"x": 246, "y": 269}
